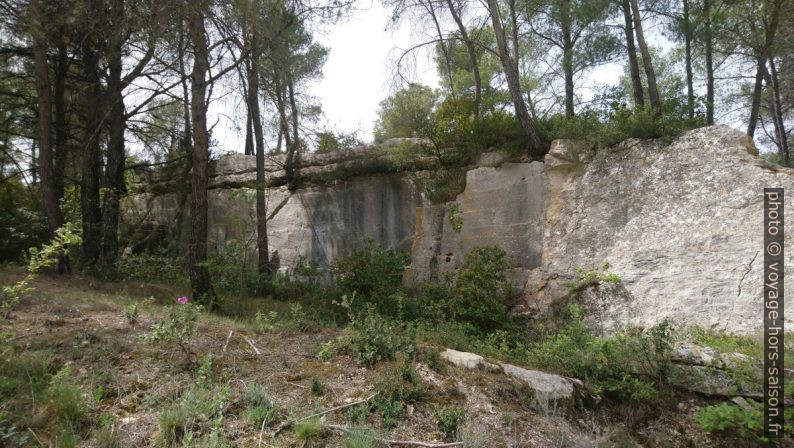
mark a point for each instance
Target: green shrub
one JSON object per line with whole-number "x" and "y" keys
{"x": 357, "y": 415}
{"x": 448, "y": 419}
{"x": 725, "y": 342}
{"x": 177, "y": 326}
{"x": 65, "y": 399}
{"x": 107, "y": 435}
{"x": 361, "y": 439}
{"x": 197, "y": 409}
{"x": 131, "y": 313}
{"x": 630, "y": 365}
{"x": 586, "y": 278}
{"x": 734, "y": 421}
{"x": 440, "y": 185}
{"x": 28, "y": 371}
{"x": 479, "y": 292}
{"x": 298, "y": 318}
{"x": 261, "y": 407}
{"x": 373, "y": 338}
{"x": 317, "y": 386}
{"x": 459, "y": 137}
{"x": 308, "y": 431}
{"x": 153, "y": 267}
{"x": 373, "y": 273}
{"x": 265, "y": 322}
{"x": 396, "y": 388}
{"x": 65, "y": 237}
{"x": 328, "y": 141}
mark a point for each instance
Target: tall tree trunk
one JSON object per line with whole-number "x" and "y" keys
{"x": 709, "y": 62}
{"x": 199, "y": 274}
{"x": 41, "y": 73}
{"x": 647, "y": 62}
{"x": 186, "y": 142}
{"x": 634, "y": 65}
{"x": 293, "y": 155}
{"x": 90, "y": 168}
{"x": 114, "y": 169}
{"x": 755, "y": 102}
{"x": 690, "y": 90}
{"x": 263, "y": 251}
{"x": 187, "y": 137}
{"x": 61, "y": 131}
{"x": 567, "y": 56}
{"x": 775, "y": 106}
{"x": 536, "y": 146}
{"x": 470, "y": 50}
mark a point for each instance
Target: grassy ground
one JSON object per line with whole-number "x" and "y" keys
{"x": 76, "y": 371}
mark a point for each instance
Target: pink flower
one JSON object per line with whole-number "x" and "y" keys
{"x": 182, "y": 300}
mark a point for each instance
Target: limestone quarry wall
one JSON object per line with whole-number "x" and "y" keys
{"x": 680, "y": 223}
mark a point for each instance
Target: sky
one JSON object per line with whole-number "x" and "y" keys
{"x": 358, "y": 73}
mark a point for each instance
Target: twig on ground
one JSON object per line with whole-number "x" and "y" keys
{"x": 328, "y": 411}
{"x": 390, "y": 442}
{"x": 256, "y": 350}
{"x": 262, "y": 429}
{"x": 297, "y": 385}
{"x": 288, "y": 423}
{"x": 227, "y": 341}
{"x": 36, "y": 437}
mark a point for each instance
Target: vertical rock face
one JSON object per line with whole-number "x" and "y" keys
{"x": 500, "y": 206}
{"x": 322, "y": 224}
{"x": 679, "y": 223}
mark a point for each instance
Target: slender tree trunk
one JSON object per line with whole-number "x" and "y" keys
{"x": 536, "y": 146}
{"x": 292, "y": 150}
{"x": 690, "y": 90}
{"x": 441, "y": 42}
{"x": 90, "y": 169}
{"x": 634, "y": 65}
{"x": 709, "y": 62}
{"x": 263, "y": 251}
{"x": 283, "y": 131}
{"x": 249, "y": 133}
{"x": 187, "y": 138}
{"x": 199, "y": 274}
{"x": 114, "y": 169}
{"x": 647, "y": 62}
{"x": 61, "y": 132}
{"x": 472, "y": 53}
{"x": 776, "y": 110}
{"x": 567, "y": 56}
{"x": 41, "y": 73}
{"x": 755, "y": 102}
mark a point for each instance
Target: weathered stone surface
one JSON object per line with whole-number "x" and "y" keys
{"x": 551, "y": 392}
{"x": 467, "y": 360}
{"x": 493, "y": 158}
{"x": 500, "y": 206}
{"x": 678, "y": 223}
